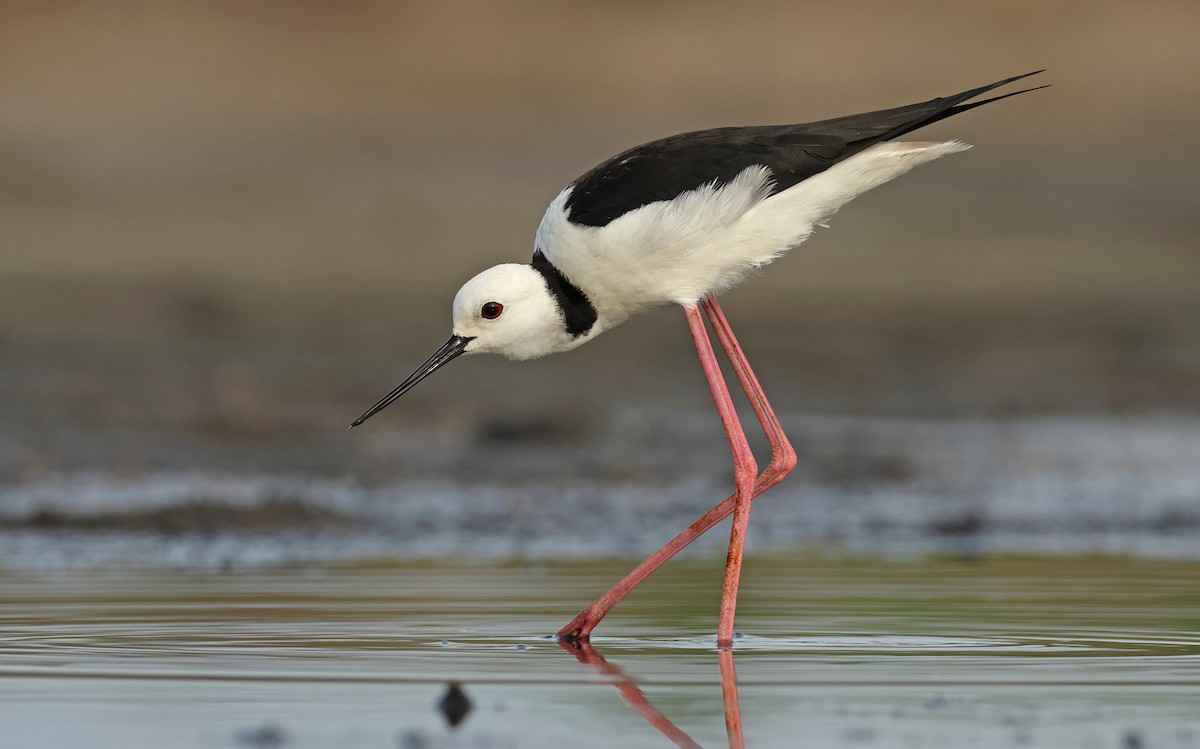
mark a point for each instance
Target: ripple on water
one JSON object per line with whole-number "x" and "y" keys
{"x": 996, "y": 652}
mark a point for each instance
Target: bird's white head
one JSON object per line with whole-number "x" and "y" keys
{"x": 506, "y": 310}
{"x": 509, "y": 310}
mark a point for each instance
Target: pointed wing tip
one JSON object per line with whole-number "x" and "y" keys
{"x": 1022, "y": 75}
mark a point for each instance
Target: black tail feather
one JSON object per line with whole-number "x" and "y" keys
{"x": 948, "y": 106}
{"x": 960, "y": 108}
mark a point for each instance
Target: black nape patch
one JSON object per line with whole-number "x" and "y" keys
{"x": 577, "y": 310}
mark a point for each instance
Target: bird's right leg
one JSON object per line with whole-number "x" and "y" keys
{"x": 783, "y": 460}
{"x": 745, "y": 473}
{"x": 782, "y": 454}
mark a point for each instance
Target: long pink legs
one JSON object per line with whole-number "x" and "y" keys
{"x": 783, "y": 460}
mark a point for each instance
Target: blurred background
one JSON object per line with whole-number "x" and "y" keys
{"x": 227, "y": 228}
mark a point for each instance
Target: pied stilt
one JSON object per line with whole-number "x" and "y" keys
{"x": 678, "y": 221}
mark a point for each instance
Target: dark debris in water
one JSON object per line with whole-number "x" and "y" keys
{"x": 454, "y": 705}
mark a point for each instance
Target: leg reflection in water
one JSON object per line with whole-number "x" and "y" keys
{"x": 634, "y": 697}
{"x": 729, "y": 695}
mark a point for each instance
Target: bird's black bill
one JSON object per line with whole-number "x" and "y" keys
{"x": 449, "y": 350}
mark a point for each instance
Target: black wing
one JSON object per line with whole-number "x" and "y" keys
{"x": 662, "y": 169}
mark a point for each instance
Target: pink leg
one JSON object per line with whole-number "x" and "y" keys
{"x": 783, "y": 460}
{"x": 745, "y": 471}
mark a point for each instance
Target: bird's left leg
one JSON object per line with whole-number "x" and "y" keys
{"x": 745, "y": 472}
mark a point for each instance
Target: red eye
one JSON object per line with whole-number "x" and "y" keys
{"x": 491, "y": 310}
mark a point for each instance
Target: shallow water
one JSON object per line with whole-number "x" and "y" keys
{"x": 1099, "y": 652}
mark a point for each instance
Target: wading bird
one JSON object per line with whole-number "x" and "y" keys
{"x": 678, "y": 221}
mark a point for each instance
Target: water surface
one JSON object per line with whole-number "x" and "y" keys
{"x": 1005, "y": 651}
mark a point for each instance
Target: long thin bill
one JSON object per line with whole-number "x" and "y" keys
{"x": 449, "y": 350}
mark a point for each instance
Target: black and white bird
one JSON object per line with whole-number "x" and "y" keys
{"x": 677, "y": 221}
